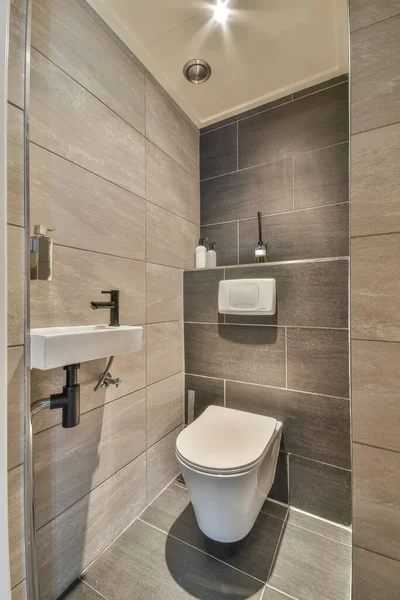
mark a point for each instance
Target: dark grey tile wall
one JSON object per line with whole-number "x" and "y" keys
{"x": 292, "y": 366}
{"x": 375, "y": 297}
{"x": 292, "y": 165}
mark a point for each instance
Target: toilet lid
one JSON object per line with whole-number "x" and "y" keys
{"x": 224, "y": 439}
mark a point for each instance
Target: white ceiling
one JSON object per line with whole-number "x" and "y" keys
{"x": 267, "y": 48}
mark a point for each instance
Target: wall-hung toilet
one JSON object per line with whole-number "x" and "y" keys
{"x": 228, "y": 459}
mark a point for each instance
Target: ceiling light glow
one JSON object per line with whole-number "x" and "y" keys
{"x": 221, "y": 11}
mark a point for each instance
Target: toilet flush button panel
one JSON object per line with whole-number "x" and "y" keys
{"x": 247, "y": 297}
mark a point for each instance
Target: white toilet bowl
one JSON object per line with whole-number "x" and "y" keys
{"x": 228, "y": 459}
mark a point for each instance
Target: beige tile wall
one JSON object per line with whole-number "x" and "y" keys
{"x": 114, "y": 170}
{"x": 375, "y": 297}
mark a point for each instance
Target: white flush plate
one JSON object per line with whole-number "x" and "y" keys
{"x": 53, "y": 347}
{"x": 247, "y": 297}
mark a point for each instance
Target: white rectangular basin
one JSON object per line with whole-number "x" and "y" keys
{"x": 53, "y": 347}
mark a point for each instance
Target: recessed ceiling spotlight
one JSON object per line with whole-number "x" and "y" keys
{"x": 197, "y": 71}
{"x": 221, "y": 11}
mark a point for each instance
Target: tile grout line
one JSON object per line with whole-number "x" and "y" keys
{"x": 114, "y": 183}
{"x": 238, "y": 241}
{"x": 126, "y": 528}
{"x": 286, "y": 355}
{"x": 276, "y": 160}
{"x": 202, "y": 551}
{"x": 299, "y": 261}
{"x": 292, "y": 99}
{"x": 233, "y": 324}
{"x": 277, "y": 548}
{"x": 271, "y": 587}
{"x": 92, "y": 588}
{"x": 286, "y": 212}
{"x": 271, "y": 387}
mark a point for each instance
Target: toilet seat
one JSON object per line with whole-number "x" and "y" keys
{"x": 225, "y": 441}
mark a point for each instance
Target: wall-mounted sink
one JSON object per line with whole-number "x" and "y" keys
{"x": 53, "y": 347}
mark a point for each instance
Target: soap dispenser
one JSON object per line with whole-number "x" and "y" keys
{"x": 211, "y": 257}
{"x": 201, "y": 254}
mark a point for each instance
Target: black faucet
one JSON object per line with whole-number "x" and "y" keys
{"x": 113, "y": 305}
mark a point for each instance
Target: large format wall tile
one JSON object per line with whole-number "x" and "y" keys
{"x": 16, "y": 525}
{"x": 164, "y": 350}
{"x": 67, "y": 545}
{"x": 162, "y": 465}
{"x": 316, "y": 233}
{"x": 78, "y": 278}
{"x": 321, "y": 177}
{"x": 320, "y": 489}
{"x": 375, "y": 288}
{"x": 317, "y": 361}
{"x": 367, "y": 12}
{"x": 168, "y": 129}
{"x": 16, "y": 52}
{"x": 110, "y": 220}
{"x": 313, "y": 426}
{"x": 68, "y": 120}
{"x": 170, "y": 240}
{"x": 200, "y": 293}
{"x": 375, "y": 71}
{"x": 130, "y": 368}
{"x": 241, "y": 195}
{"x": 164, "y": 407}
{"x": 15, "y": 166}
{"x": 15, "y": 284}
{"x": 164, "y": 293}
{"x": 19, "y": 592}
{"x": 308, "y": 294}
{"x": 170, "y": 186}
{"x": 106, "y": 440}
{"x": 16, "y": 405}
{"x": 253, "y": 354}
{"x": 375, "y": 181}
{"x": 374, "y": 576}
{"x": 218, "y": 151}
{"x": 376, "y": 393}
{"x": 99, "y": 64}
{"x": 376, "y": 502}
{"x": 206, "y": 392}
{"x": 225, "y": 237}
{"x": 311, "y": 122}
{"x": 318, "y": 87}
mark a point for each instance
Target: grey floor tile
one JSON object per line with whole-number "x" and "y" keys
{"x": 274, "y": 509}
{"x": 367, "y": 12}
{"x": 80, "y": 591}
{"x": 146, "y": 564}
{"x": 173, "y": 512}
{"x": 311, "y": 567}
